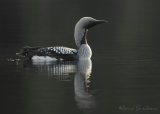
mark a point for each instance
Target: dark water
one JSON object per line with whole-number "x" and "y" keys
{"x": 125, "y": 72}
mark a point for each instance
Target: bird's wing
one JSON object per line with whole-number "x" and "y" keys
{"x": 58, "y": 52}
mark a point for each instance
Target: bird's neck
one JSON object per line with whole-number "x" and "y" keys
{"x": 84, "y": 50}
{"x": 84, "y": 38}
{"x": 80, "y": 35}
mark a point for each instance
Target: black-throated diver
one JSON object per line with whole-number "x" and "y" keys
{"x": 59, "y": 52}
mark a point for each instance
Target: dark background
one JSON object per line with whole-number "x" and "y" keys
{"x": 126, "y": 54}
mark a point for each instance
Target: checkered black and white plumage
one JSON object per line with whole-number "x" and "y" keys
{"x": 58, "y": 52}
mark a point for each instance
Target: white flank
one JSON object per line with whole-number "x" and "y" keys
{"x": 43, "y": 59}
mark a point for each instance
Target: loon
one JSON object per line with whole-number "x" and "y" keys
{"x": 83, "y": 50}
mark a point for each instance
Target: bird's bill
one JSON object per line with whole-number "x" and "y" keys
{"x": 101, "y": 21}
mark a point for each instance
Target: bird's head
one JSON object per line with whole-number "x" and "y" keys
{"x": 89, "y": 22}
{"x": 82, "y": 27}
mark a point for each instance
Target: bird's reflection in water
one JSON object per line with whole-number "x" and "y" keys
{"x": 63, "y": 70}
{"x": 84, "y": 99}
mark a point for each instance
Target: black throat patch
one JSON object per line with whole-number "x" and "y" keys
{"x": 84, "y": 39}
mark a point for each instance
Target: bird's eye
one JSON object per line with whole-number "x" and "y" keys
{"x": 90, "y": 21}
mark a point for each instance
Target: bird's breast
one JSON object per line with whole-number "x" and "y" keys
{"x": 84, "y": 52}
